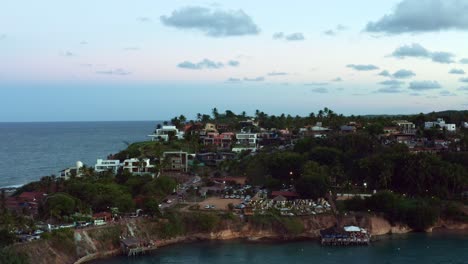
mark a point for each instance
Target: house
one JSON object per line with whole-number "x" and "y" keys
{"x": 440, "y": 124}
{"x": 221, "y": 141}
{"x": 101, "y": 218}
{"x": 107, "y": 165}
{"x": 405, "y": 127}
{"x": 176, "y": 161}
{"x": 72, "y": 171}
{"x": 138, "y": 167}
{"x": 213, "y": 158}
{"x": 464, "y": 124}
{"x": 165, "y": 132}
{"x": 390, "y": 130}
{"x": 26, "y": 202}
{"x": 245, "y": 142}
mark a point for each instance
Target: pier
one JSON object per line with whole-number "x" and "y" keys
{"x": 346, "y": 236}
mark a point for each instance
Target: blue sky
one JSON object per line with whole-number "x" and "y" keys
{"x": 151, "y": 60}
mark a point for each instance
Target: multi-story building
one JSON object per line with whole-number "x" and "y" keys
{"x": 176, "y": 161}
{"x": 164, "y": 133}
{"x": 138, "y": 167}
{"x": 245, "y": 141}
{"x": 222, "y": 141}
{"x": 440, "y": 124}
{"x": 406, "y": 127}
{"x": 107, "y": 165}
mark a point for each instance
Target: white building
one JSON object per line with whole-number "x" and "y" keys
{"x": 72, "y": 171}
{"x": 440, "y": 124}
{"x": 406, "y": 127}
{"x": 138, "y": 167}
{"x": 107, "y": 165}
{"x": 164, "y": 133}
{"x": 464, "y": 124}
{"x": 245, "y": 141}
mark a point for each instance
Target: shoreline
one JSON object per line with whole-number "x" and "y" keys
{"x": 195, "y": 238}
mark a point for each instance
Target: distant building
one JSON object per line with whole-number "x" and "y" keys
{"x": 221, "y": 141}
{"x": 72, "y": 171}
{"x": 440, "y": 124}
{"x": 464, "y": 124}
{"x": 406, "y": 127}
{"x": 138, "y": 167}
{"x": 164, "y": 133}
{"x": 176, "y": 160}
{"x": 245, "y": 142}
{"x": 107, "y": 165}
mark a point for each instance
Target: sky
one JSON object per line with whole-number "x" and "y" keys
{"x": 151, "y": 60}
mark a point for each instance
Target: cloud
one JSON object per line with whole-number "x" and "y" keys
{"x": 335, "y": 31}
{"x": 424, "y": 85}
{"x": 464, "y": 61}
{"x": 360, "y": 67}
{"x": 3, "y": 36}
{"x": 316, "y": 83}
{"x": 119, "y": 72}
{"x": 417, "y": 51}
{"x": 319, "y": 90}
{"x": 204, "y": 64}
{"x": 67, "y": 54}
{"x": 277, "y": 73}
{"x": 278, "y": 35}
{"x": 234, "y": 80}
{"x": 289, "y": 37}
{"x": 214, "y": 23}
{"x": 417, "y": 16}
{"x": 233, "y": 63}
{"x": 144, "y": 19}
{"x": 389, "y": 90}
{"x": 463, "y": 88}
{"x": 83, "y": 43}
{"x": 403, "y": 74}
{"x": 385, "y": 73}
{"x": 465, "y": 80}
{"x": 413, "y": 50}
{"x": 442, "y": 57}
{"x": 393, "y": 83}
{"x": 457, "y": 71}
{"x": 446, "y": 93}
{"x": 337, "y": 79}
{"x": 256, "y": 79}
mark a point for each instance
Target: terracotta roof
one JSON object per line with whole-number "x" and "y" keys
{"x": 31, "y": 196}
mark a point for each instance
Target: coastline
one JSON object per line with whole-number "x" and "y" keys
{"x": 268, "y": 237}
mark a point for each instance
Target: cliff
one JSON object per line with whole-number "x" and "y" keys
{"x": 92, "y": 243}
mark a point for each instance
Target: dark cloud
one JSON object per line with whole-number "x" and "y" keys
{"x": 360, "y": 67}
{"x": 319, "y": 90}
{"x": 385, "y": 73}
{"x": 465, "y": 80}
{"x": 144, "y": 19}
{"x": 414, "y": 16}
{"x": 464, "y": 61}
{"x": 417, "y": 51}
{"x": 442, "y": 57}
{"x": 233, "y": 63}
{"x": 403, "y": 74}
{"x": 289, "y": 37}
{"x": 413, "y": 50}
{"x": 204, "y": 64}
{"x": 393, "y": 83}
{"x": 446, "y": 93}
{"x": 214, "y": 23}
{"x": 256, "y": 79}
{"x": 277, "y": 73}
{"x": 424, "y": 85}
{"x": 389, "y": 90}
{"x": 457, "y": 71}
{"x": 119, "y": 72}
{"x": 463, "y": 88}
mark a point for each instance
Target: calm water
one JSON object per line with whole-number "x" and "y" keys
{"x": 413, "y": 248}
{"x": 31, "y": 150}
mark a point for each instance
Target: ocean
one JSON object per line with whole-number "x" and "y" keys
{"x": 29, "y": 151}
{"x": 405, "y": 249}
